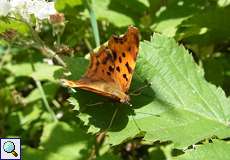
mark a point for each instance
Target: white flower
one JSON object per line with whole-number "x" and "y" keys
{"x": 19, "y": 4}
{"x": 4, "y": 7}
{"x": 44, "y": 10}
{"x": 19, "y": 7}
{"x": 41, "y": 9}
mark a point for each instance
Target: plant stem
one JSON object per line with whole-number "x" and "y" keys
{"x": 52, "y": 54}
{"x": 58, "y": 40}
{"x": 93, "y": 21}
{"x": 88, "y": 45}
{"x": 42, "y": 92}
{"x": 38, "y": 84}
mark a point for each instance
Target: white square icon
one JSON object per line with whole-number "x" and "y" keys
{"x": 10, "y": 149}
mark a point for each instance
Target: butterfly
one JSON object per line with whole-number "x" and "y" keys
{"x": 111, "y": 68}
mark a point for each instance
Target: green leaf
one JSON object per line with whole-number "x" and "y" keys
{"x": 170, "y": 15}
{"x": 42, "y": 71}
{"x": 156, "y": 153}
{"x": 76, "y": 66}
{"x": 103, "y": 11}
{"x": 37, "y": 154}
{"x": 11, "y": 24}
{"x": 201, "y": 28}
{"x": 183, "y": 100}
{"x": 73, "y": 102}
{"x": 177, "y": 80}
{"x": 62, "y": 4}
{"x": 223, "y": 3}
{"x": 62, "y": 141}
{"x": 179, "y": 99}
{"x": 109, "y": 156}
{"x": 50, "y": 90}
{"x": 217, "y": 150}
{"x": 29, "y": 115}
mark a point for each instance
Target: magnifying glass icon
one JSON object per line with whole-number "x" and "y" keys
{"x": 9, "y": 147}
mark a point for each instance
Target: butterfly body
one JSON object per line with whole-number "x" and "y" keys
{"x": 111, "y": 68}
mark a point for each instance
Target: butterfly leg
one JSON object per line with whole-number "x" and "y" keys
{"x": 95, "y": 104}
{"x": 136, "y": 124}
{"x": 113, "y": 117}
{"x": 139, "y": 90}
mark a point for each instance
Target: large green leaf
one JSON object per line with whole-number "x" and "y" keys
{"x": 219, "y": 150}
{"x": 179, "y": 106}
{"x": 189, "y": 107}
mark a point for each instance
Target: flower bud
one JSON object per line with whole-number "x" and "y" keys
{"x": 58, "y": 23}
{"x": 57, "y": 18}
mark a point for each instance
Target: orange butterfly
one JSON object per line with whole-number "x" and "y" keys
{"x": 111, "y": 69}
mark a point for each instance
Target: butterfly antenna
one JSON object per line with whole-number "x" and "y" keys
{"x": 138, "y": 91}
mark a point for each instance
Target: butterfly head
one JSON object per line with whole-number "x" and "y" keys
{"x": 126, "y": 100}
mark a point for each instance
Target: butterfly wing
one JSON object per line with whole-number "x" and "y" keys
{"x": 99, "y": 77}
{"x": 124, "y": 50}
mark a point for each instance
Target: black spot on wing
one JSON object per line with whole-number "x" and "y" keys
{"x": 120, "y": 60}
{"x": 111, "y": 69}
{"x": 125, "y": 77}
{"x": 123, "y": 54}
{"x": 130, "y": 70}
{"x": 108, "y": 73}
{"x": 118, "y": 68}
{"x": 114, "y": 55}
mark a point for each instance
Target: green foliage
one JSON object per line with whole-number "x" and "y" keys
{"x": 179, "y": 97}
{"x": 75, "y": 146}
{"x": 60, "y": 5}
{"x": 106, "y": 10}
{"x": 20, "y": 27}
{"x": 42, "y": 71}
{"x": 216, "y": 150}
{"x": 182, "y": 112}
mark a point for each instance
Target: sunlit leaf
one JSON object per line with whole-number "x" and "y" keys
{"x": 216, "y": 150}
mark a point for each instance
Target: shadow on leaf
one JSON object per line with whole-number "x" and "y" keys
{"x": 102, "y": 109}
